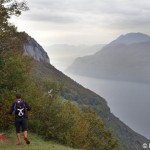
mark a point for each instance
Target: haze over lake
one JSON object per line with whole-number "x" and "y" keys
{"x": 129, "y": 101}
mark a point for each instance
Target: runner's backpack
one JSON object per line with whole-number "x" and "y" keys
{"x": 20, "y": 108}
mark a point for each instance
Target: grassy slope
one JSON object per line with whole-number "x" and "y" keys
{"x": 37, "y": 143}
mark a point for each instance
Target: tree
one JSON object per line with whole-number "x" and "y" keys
{"x": 8, "y": 31}
{"x": 9, "y": 40}
{"x": 13, "y": 69}
{"x": 9, "y": 8}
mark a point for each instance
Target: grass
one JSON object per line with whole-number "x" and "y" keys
{"x": 37, "y": 143}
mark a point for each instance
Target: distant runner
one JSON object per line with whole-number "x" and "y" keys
{"x": 20, "y": 107}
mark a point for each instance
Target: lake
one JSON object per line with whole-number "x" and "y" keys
{"x": 129, "y": 101}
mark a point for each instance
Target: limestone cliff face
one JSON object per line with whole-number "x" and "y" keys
{"x": 32, "y": 48}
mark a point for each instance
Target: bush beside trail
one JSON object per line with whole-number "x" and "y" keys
{"x": 70, "y": 124}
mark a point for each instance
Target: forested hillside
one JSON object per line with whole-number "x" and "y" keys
{"x": 53, "y": 117}
{"x": 84, "y": 97}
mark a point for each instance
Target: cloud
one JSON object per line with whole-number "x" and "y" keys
{"x": 52, "y": 17}
{"x": 117, "y": 12}
{"x": 84, "y": 21}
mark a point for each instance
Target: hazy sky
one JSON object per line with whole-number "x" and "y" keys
{"x": 83, "y": 21}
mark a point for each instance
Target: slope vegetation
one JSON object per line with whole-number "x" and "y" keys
{"x": 75, "y": 92}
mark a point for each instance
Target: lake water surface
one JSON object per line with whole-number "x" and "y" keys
{"x": 130, "y": 102}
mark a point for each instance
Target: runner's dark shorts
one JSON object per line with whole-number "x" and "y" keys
{"x": 21, "y": 123}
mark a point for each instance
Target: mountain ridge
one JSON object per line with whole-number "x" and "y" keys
{"x": 118, "y": 62}
{"x": 131, "y": 38}
{"x": 64, "y": 54}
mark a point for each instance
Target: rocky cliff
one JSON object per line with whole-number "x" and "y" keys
{"x": 32, "y": 48}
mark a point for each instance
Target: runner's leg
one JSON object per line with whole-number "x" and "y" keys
{"x": 17, "y": 125}
{"x": 25, "y": 132}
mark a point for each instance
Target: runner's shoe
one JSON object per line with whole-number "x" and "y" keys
{"x": 27, "y": 141}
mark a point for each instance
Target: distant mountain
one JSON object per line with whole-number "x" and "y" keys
{"x": 131, "y": 38}
{"x": 84, "y": 97}
{"x": 62, "y": 55}
{"x": 71, "y": 50}
{"x": 118, "y": 60}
